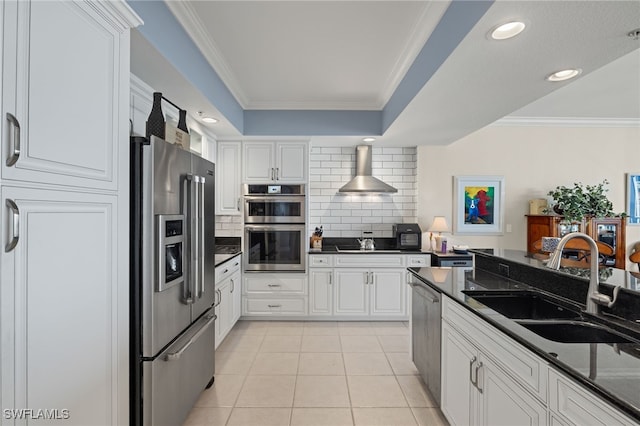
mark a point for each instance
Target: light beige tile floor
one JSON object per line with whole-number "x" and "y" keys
{"x": 316, "y": 373}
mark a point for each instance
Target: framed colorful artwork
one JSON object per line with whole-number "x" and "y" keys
{"x": 633, "y": 198}
{"x": 478, "y": 205}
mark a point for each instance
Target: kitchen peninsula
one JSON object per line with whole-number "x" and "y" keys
{"x": 499, "y": 359}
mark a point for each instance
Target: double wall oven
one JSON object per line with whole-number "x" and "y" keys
{"x": 274, "y": 231}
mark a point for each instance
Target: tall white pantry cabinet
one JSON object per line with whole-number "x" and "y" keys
{"x": 64, "y": 302}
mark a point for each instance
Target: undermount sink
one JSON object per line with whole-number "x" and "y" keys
{"x": 575, "y": 332}
{"x": 548, "y": 317}
{"x": 523, "y": 304}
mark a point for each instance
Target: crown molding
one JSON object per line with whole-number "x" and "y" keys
{"x": 319, "y": 106}
{"x": 565, "y": 122}
{"x": 119, "y": 13}
{"x": 188, "y": 18}
{"x": 422, "y": 30}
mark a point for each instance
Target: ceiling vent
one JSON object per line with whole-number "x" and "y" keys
{"x": 363, "y": 182}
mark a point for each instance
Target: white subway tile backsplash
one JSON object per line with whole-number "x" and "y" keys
{"x": 331, "y": 150}
{"x": 348, "y": 215}
{"x": 392, "y": 150}
{"x": 352, "y": 219}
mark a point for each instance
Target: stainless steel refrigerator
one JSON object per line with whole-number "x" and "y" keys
{"x": 172, "y": 281}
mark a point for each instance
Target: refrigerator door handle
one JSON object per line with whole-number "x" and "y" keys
{"x": 194, "y": 236}
{"x": 173, "y": 356}
{"x": 187, "y": 296}
{"x": 201, "y": 222}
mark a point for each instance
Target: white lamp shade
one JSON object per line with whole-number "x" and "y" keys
{"x": 439, "y": 224}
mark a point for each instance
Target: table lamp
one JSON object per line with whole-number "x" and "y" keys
{"x": 439, "y": 225}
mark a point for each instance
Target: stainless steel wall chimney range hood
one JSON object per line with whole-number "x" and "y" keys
{"x": 363, "y": 182}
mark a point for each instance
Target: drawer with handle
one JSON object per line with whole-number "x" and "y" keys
{"x": 419, "y": 261}
{"x": 320, "y": 260}
{"x": 228, "y": 268}
{"x": 267, "y": 283}
{"x": 259, "y": 306}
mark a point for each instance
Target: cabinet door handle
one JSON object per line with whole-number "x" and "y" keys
{"x": 471, "y": 371}
{"x": 277, "y": 173}
{"x": 15, "y": 225}
{"x": 479, "y": 369}
{"x": 330, "y": 280}
{"x": 14, "y": 142}
{"x": 219, "y": 293}
{"x": 233, "y": 285}
{"x": 273, "y": 173}
{"x": 238, "y": 203}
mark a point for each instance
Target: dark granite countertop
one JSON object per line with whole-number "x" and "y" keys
{"x": 222, "y": 258}
{"x": 383, "y": 245}
{"x": 617, "y": 367}
{"x": 356, "y": 250}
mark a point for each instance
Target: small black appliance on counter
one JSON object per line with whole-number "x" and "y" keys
{"x": 408, "y": 236}
{"x": 454, "y": 260}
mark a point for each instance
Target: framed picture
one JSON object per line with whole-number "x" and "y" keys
{"x": 478, "y": 205}
{"x": 633, "y": 198}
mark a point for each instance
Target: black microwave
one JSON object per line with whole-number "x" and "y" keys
{"x": 408, "y": 236}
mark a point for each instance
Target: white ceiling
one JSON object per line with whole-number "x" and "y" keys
{"x": 310, "y": 54}
{"x": 351, "y": 55}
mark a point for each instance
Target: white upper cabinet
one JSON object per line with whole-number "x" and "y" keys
{"x": 64, "y": 187}
{"x": 291, "y": 162}
{"x": 284, "y": 162}
{"x": 62, "y": 114}
{"x": 228, "y": 172}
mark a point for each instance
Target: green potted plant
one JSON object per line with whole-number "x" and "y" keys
{"x": 581, "y": 201}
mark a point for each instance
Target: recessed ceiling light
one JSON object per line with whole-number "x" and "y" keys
{"x": 508, "y": 30}
{"x": 368, "y": 139}
{"x": 207, "y": 118}
{"x": 564, "y": 74}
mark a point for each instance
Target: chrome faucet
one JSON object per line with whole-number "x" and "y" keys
{"x": 594, "y": 297}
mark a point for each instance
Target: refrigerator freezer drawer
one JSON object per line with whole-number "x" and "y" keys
{"x": 174, "y": 380}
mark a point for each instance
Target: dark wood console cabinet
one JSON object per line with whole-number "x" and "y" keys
{"x": 610, "y": 230}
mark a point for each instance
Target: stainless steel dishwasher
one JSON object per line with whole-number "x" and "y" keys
{"x": 426, "y": 330}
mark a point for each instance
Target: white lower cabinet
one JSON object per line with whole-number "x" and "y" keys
{"x": 61, "y": 319}
{"x": 351, "y": 292}
{"x": 503, "y": 401}
{"x": 481, "y": 381}
{"x": 370, "y": 292}
{"x": 571, "y": 404}
{"x": 229, "y": 291}
{"x": 476, "y": 391}
{"x": 320, "y": 291}
{"x": 489, "y": 379}
{"x": 274, "y": 294}
{"x": 363, "y": 286}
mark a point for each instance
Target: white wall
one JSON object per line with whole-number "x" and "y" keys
{"x": 533, "y": 161}
{"x": 349, "y": 215}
